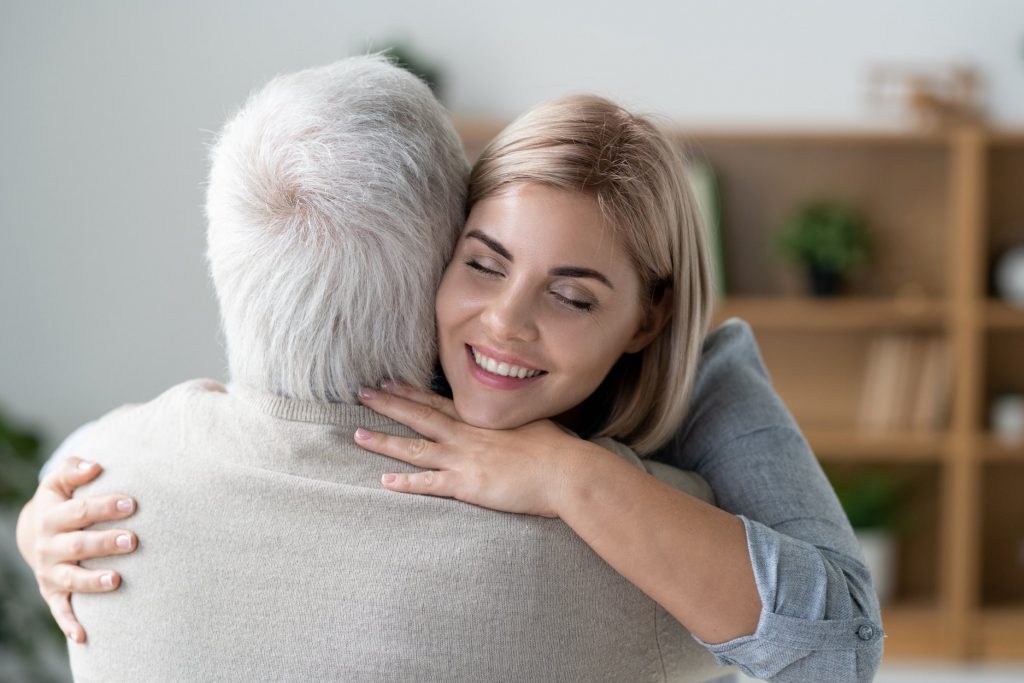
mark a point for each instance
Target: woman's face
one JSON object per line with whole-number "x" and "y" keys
{"x": 536, "y": 306}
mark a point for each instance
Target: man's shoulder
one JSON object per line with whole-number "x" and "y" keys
{"x": 177, "y": 395}
{"x": 151, "y": 416}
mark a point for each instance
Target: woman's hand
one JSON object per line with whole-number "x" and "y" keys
{"x": 52, "y": 541}
{"x": 518, "y": 470}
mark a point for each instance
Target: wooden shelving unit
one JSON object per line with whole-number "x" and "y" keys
{"x": 940, "y": 206}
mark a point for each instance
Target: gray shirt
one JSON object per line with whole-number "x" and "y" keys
{"x": 820, "y": 619}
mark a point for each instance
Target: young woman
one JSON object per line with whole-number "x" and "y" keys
{"x": 579, "y": 291}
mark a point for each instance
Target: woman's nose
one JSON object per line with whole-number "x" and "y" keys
{"x": 510, "y": 316}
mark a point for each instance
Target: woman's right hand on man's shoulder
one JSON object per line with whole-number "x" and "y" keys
{"x": 53, "y": 537}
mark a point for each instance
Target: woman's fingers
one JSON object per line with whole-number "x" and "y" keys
{"x": 70, "y": 578}
{"x": 60, "y": 608}
{"x": 428, "y": 483}
{"x": 435, "y": 401}
{"x": 418, "y": 452}
{"x": 69, "y": 475}
{"x": 85, "y": 545}
{"x": 419, "y": 417}
{"x": 79, "y": 513}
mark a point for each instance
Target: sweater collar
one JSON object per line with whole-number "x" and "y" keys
{"x": 317, "y": 412}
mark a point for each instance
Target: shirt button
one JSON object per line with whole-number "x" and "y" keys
{"x": 865, "y": 632}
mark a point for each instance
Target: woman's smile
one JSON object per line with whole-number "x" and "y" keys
{"x": 499, "y": 370}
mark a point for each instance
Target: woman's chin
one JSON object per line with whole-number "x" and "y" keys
{"x": 490, "y": 418}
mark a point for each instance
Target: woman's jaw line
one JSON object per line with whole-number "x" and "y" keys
{"x": 500, "y": 371}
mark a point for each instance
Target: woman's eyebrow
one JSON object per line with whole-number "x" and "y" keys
{"x": 575, "y": 271}
{"x": 494, "y": 244}
{"x": 564, "y": 271}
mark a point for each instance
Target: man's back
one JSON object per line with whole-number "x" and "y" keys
{"x": 269, "y": 550}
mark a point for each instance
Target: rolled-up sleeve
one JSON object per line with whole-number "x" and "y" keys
{"x": 820, "y": 618}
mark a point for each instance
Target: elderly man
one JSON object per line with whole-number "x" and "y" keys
{"x": 269, "y": 548}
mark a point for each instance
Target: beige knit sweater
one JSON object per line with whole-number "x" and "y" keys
{"x": 268, "y": 550}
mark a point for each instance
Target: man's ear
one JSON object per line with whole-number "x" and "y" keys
{"x": 658, "y": 315}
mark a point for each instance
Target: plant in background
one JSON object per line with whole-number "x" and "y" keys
{"x": 32, "y": 648}
{"x": 873, "y": 502}
{"x": 829, "y": 239}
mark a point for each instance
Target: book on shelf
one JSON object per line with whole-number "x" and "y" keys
{"x": 907, "y": 383}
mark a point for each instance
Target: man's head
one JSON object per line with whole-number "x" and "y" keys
{"x": 334, "y": 199}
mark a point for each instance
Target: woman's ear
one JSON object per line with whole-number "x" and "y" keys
{"x": 658, "y": 315}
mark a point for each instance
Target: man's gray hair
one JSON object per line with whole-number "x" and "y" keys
{"x": 334, "y": 201}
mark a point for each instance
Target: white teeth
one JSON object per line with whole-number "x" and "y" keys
{"x": 503, "y": 369}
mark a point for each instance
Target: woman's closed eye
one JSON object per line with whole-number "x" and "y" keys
{"x": 482, "y": 268}
{"x": 574, "y": 301}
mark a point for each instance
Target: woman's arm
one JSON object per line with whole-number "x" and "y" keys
{"x": 821, "y": 619}
{"x": 685, "y": 554}
{"x": 52, "y": 540}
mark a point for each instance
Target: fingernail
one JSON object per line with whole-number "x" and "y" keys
{"x": 388, "y": 478}
{"x": 124, "y": 505}
{"x": 388, "y": 385}
{"x": 107, "y": 580}
{"x": 123, "y": 542}
{"x": 84, "y": 465}
{"x": 362, "y": 434}
{"x": 367, "y": 393}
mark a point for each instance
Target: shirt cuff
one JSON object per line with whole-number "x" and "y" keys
{"x": 797, "y": 629}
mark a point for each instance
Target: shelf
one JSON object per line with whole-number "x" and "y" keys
{"x": 821, "y": 137}
{"x": 914, "y": 631}
{"x": 1002, "y": 316}
{"x": 834, "y": 315}
{"x": 994, "y": 448}
{"x": 1001, "y": 633}
{"x": 1007, "y": 137}
{"x": 856, "y": 445}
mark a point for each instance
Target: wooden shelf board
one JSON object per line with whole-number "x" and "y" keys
{"x": 1006, "y": 136}
{"x": 994, "y": 448}
{"x": 480, "y": 129}
{"x": 830, "y": 445}
{"x": 819, "y": 137}
{"x": 1001, "y": 633}
{"x": 834, "y": 315}
{"x": 1003, "y": 316}
{"x": 914, "y": 632}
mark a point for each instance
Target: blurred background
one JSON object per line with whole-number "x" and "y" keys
{"x": 860, "y": 167}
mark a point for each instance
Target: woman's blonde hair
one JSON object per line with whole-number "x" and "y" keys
{"x": 635, "y": 172}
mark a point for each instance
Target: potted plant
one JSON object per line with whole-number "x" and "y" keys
{"x": 829, "y": 239}
{"x": 872, "y": 501}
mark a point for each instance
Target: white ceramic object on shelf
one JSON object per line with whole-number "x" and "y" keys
{"x": 1010, "y": 276}
{"x": 880, "y": 553}
{"x": 1007, "y": 417}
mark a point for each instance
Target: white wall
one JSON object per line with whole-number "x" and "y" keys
{"x": 106, "y": 107}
